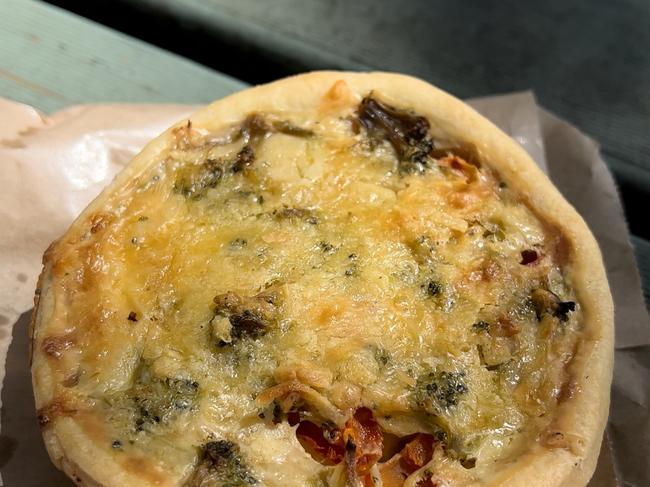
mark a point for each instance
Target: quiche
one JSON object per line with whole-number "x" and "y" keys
{"x": 337, "y": 279}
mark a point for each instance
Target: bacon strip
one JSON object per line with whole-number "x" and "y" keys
{"x": 324, "y": 444}
{"x": 365, "y": 433}
{"x": 415, "y": 455}
{"x": 360, "y": 445}
{"x": 360, "y": 439}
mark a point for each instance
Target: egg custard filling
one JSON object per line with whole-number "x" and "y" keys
{"x": 322, "y": 298}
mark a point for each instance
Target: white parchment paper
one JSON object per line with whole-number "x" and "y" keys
{"x": 52, "y": 167}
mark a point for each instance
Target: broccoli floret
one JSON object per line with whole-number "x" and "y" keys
{"x": 546, "y": 302}
{"x": 159, "y": 400}
{"x": 238, "y": 317}
{"x": 221, "y": 465}
{"x": 193, "y": 181}
{"x": 438, "y": 391}
{"x": 406, "y": 132}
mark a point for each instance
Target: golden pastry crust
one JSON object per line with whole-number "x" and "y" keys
{"x": 565, "y": 450}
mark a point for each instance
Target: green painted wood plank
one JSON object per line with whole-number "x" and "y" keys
{"x": 50, "y": 59}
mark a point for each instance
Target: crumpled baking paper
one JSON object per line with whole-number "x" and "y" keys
{"x": 52, "y": 167}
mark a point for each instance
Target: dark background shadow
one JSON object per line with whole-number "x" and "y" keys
{"x": 23, "y": 459}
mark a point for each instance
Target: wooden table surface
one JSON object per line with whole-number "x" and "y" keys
{"x": 51, "y": 59}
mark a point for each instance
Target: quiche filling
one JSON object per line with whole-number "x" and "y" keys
{"x": 339, "y": 297}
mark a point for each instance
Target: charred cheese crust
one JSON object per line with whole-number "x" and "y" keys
{"x": 358, "y": 253}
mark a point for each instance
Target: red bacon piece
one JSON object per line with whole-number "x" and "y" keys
{"x": 327, "y": 445}
{"x": 360, "y": 444}
{"x": 366, "y": 435}
{"x": 323, "y": 443}
{"x": 415, "y": 455}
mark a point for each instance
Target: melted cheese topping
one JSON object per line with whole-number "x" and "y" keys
{"x": 228, "y": 286}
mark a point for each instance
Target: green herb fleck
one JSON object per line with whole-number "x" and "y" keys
{"x": 382, "y": 356}
{"x": 433, "y": 288}
{"x": 238, "y": 243}
{"x": 327, "y": 247}
{"x": 481, "y": 326}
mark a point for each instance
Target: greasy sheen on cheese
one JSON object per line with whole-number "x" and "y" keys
{"x": 326, "y": 297}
